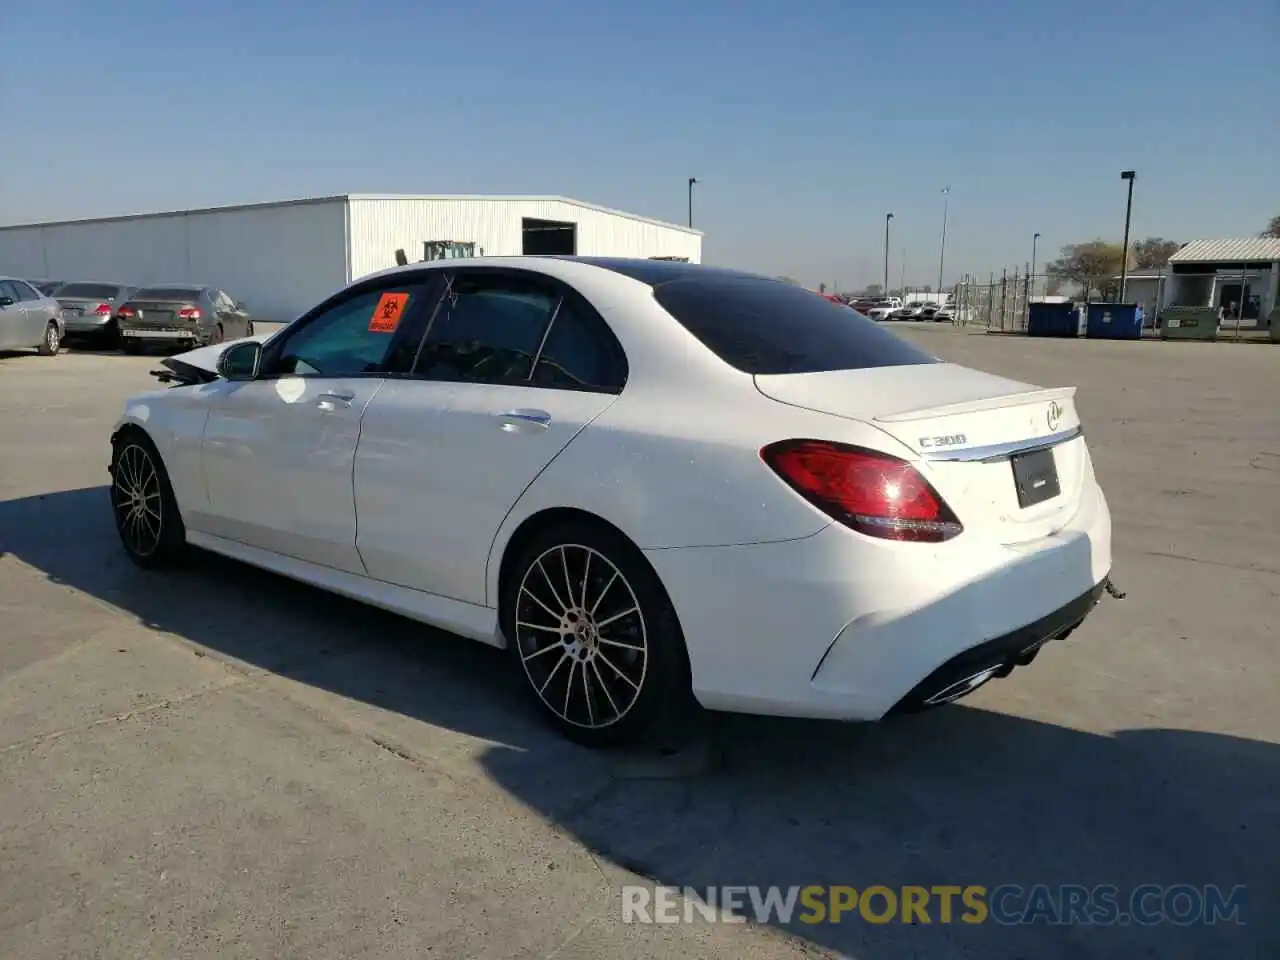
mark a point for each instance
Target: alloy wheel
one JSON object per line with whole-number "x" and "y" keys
{"x": 51, "y": 338}
{"x": 137, "y": 501}
{"x": 581, "y": 636}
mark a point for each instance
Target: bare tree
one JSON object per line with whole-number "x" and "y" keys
{"x": 1273, "y": 228}
{"x": 1151, "y": 253}
{"x": 1090, "y": 266}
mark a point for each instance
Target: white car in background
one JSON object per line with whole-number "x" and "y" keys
{"x": 654, "y": 483}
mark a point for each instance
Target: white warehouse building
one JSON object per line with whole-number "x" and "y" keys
{"x": 282, "y": 258}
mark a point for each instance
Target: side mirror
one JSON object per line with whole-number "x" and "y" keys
{"x": 6, "y": 301}
{"x": 240, "y": 361}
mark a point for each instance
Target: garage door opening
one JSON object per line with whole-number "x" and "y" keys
{"x": 544, "y": 238}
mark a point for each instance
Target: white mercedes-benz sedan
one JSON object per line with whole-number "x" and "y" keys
{"x": 653, "y": 482}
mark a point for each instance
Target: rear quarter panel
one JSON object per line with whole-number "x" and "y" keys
{"x": 682, "y": 470}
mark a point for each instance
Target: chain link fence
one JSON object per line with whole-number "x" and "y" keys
{"x": 998, "y": 302}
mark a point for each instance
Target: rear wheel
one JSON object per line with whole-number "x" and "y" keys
{"x": 131, "y": 345}
{"x": 146, "y": 512}
{"x": 51, "y": 342}
{"x": 595, "y": 638}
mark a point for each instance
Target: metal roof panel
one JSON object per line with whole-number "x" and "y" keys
{"x": 1229, "y": 250}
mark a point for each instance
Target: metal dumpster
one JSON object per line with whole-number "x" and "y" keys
{"x": 1053, "y": 320}
{"x": 1113, "y": 321}
{"x": 1188, "y": 323}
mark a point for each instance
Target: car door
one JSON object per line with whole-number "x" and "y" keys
{"x": 233, "y": 322}
{"x": 13, "y": 318}
{"x": 277, "y": 451}
{"x": 37, "y": 311}
{"x": 512, "y": 367}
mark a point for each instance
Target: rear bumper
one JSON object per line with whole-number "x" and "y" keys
{"x": 162, "y": 335}
{"x": 843, "y": 627}
{"x": 85, "y": 324}
{"x": 997, "y": 658}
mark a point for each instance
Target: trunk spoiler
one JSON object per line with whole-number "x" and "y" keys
{"x": 977, "y": 406}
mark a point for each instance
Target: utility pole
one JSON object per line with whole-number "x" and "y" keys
{"x": 942, "y": 253}
{"x": 1131, "y": 176}
{"x": 692, "y": 181}
{"x": 887, "y": 218}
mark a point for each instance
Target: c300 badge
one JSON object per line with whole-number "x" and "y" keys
{"x": 1054, "y": 415}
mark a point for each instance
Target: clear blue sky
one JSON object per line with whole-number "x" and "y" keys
{"x": 805, "y": 122}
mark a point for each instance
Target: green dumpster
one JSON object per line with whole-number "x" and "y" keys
{"x": 1188, "y": 323}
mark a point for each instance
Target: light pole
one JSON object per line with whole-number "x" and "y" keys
{"x": 942, "y": 254}
{"x": 1131, "y": 176}
{"x": 692, "y": 181}
{"x": 887, "y": 218}
{"x": 1031, "y": 275}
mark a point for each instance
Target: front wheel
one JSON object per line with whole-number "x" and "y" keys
{"x": 595, "y": 638}
{"x": 51, "y": 342}
{"x": 146, "y": 512}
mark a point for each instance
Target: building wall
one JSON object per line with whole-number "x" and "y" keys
{"x": 280, "y": 259}
{"x": 380, "y": 226}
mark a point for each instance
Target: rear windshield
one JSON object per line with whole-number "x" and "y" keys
{"x": 89, "y": 291}
{"x": 763, "y": 326}
{"x": 167, "y": 293}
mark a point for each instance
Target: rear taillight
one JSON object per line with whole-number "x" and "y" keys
{"x": 189, "y": 313}
{"x": 128, "y": 313}
{"x": 102, "y": 310}
{"x": 873, "y": 493}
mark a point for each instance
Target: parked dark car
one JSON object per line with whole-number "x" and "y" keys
{"x": 89, "y": 309}
{"x": 180, "y": 315}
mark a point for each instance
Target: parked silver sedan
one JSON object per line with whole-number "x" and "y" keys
{"x": 89, "y": 309}
{"x": 28, "y": 319}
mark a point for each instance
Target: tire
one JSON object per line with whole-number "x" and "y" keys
{"x": 51, "y": 342}
{"x": 622, "y": 671}
{"x": 130, "y": 345}
{"x": 142, "y": 503}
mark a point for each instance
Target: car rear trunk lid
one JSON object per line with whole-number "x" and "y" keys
{"x": 977, "y": 437}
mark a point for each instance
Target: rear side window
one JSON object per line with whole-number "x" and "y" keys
{"x": 762, "y": 326}
{"x": 26, "y": 291}
{"x": 167, "y": 293}
{"x": 488, "y": 329}
{"x": 580, "y": 353}
{"x": 89, "y": 291}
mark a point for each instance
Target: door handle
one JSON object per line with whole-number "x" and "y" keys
{"x": 332, "y": 400}
{"x": 517, "y": 419}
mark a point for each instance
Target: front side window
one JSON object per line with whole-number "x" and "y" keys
{"x": 487, "y": 329}
{"x": 7, "y": 291}
{"x": 351, "y": 338}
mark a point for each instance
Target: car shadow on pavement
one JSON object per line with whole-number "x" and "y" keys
{"x": 958, "y": 796}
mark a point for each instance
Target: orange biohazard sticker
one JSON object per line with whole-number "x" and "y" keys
{"x": 387, "y": 314}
